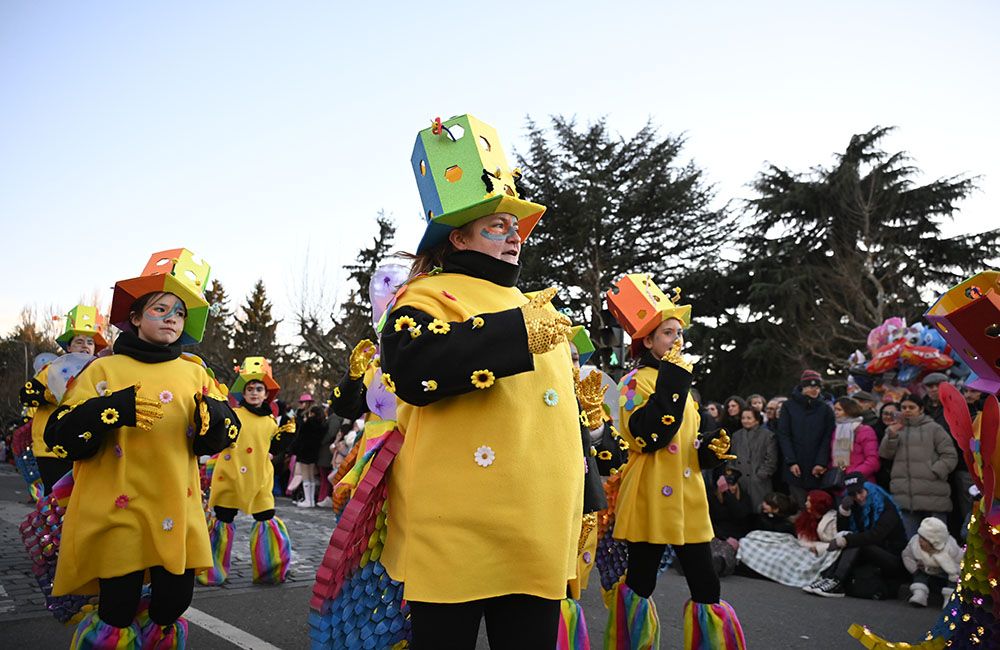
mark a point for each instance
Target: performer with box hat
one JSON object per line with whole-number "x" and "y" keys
{"x": 135, "y": 423}
{"x": 662, "y": 498}
{"x": 485, "y": 497}
{"x": 84, "y": 335}
{"x": 243, "y": 478}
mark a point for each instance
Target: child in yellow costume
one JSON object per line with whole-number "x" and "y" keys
{"x": 84, "y": 335}
{"x": 242, "y": 480}
{"x": 134, "y": 423}
{"x": 485, "y": 495}
{"x": 662, "y": 498}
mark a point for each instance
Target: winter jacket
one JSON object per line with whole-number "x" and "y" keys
{"x": 804, "y": 430}
{"x": 308, "y": 440}
{"x": 864, "y": 453}
{"x": 945, "y": 563}
{"x": 731, "y": 517}
{"x": 756, "y": 452}
{"x": 923, "y": 456}
{"x": 886, "y": 532}
{"x": 826, "y": 530}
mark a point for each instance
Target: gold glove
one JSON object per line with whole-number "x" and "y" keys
{"x": 546, "y": 328}
{"x": 675, "y": 356}
{"x": 287, "y": 427}
{"x": 590, "y": 392}
{"x": 147, "y": 411}
{"x": 361, "y": 356}
{"x": 720, "y": 446}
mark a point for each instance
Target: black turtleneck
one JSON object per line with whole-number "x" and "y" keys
{"x": 483, "y": 266}
{"x": 129, "y": 344}
{"x": 263, "y": 410}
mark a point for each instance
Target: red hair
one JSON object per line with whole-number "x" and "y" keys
{"x": 807, "y": 522}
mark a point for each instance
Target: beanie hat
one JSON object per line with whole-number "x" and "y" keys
{"x": 810, "y": 378}
{"x": 934, "y": 531}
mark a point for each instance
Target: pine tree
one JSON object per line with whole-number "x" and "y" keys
{"x": 216, "y": 347}
{"x": 615, "y": 206}
{"x": 328, "y": 347}
{"x": 825, "y": 256}
{"x": 255, "y": 333}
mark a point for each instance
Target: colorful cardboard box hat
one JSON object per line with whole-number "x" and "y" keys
{"x": 968, "y": 317}
{"x": 462, "y": 174}
{"x": 639, "y": 306}
{"x": 176, "y": 271}
{"x": 581, "y": 341}
{"x": 84, "y": 320}
{"x": 255, "y": 369}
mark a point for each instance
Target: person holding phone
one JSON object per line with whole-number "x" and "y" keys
{"x": 923, "y": 456}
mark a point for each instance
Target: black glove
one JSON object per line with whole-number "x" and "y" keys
{"x": 32, "y": 393}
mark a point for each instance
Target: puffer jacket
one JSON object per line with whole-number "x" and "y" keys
{"x": 923, "y": 456}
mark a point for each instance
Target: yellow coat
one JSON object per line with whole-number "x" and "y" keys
{"x": 40, "y": 418}
{"x": 459, "y": 531}
{"x": 662, "y": 498}
{"x": 136, "y": 503}
{"x": 243, "y": 476}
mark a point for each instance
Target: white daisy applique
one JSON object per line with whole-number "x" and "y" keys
{"x": 485, "y": 456}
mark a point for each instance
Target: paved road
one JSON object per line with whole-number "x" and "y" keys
{"x": 243, "y": 615}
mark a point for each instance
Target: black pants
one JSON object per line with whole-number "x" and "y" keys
{"x": 52, "y": 469}
{"x": 695, "y": 560}
{"x": 888, "y": 562}
{"x": 170, "y": 596}
{"x": 514, "y": 622}
{"x": 228, "y": 515}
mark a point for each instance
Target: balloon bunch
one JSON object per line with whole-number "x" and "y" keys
{"x": 901, "y": 355}
{"x": 41, "y": 532}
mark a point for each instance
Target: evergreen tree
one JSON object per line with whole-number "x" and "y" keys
{"x": 255, "y": 333}
{"x": 328, "y": 347}
{"x": 216, "y": 347}
{"x": 825, "y": 256}
{"x": 615, "y": 206}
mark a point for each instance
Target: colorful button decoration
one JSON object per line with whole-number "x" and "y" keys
{"x": 667, "y": 490}
{"x": 673, "y": 448}
{"x": 587, "y": 557}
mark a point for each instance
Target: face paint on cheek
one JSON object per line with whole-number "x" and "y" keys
{"x": 496, "y": 234}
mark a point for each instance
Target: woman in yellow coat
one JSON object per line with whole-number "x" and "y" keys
{"x": 243, "y": 478}
{"x": 485, "y": 497}
{"x": 662, "y": 498}
{"x": 134, "y": 423}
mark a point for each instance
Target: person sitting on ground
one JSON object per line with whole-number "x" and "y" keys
{"x": 874, "y": 537}
{"x": 932, "y": 557}
{"x": 728, "y": 505}
{"x": 776, "y": 512}
{"x": 794, "y": 560}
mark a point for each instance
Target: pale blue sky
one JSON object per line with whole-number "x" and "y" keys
{"x": 265, "y": 136}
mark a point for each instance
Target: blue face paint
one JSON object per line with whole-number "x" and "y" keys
{"x": 493, "y": 234}
{"x": 177, "y": 310}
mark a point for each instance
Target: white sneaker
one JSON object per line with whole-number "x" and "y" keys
{"x": 325, "y": 502}
{"x": 918, "y": 594}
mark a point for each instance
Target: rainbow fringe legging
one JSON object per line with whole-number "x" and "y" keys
{"x": 160, "y": 637}
{"x": 632, "y": 621}
{"x": 712, "y": 627}
{"x": 572, "y": 627}
{"x": 94, "y": 634}
{"x": 220, "y": 535}
{"x": 270, "y": 551}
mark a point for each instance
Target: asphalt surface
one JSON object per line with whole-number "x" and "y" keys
{"x": 773, "y": 616}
